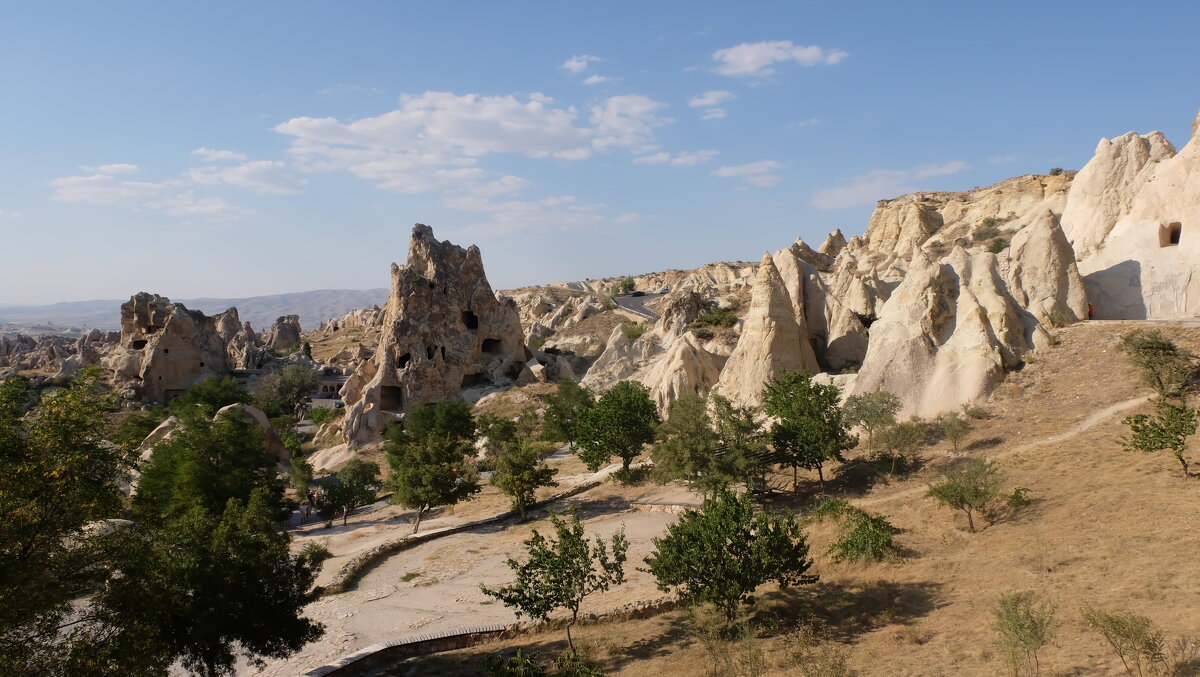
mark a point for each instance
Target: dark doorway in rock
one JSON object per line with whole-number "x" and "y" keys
{"x": 391, "y": 398}
{"x": 430, "y": 351}
{"x": 138, "y": 344}
{"x": 470, "y": 380}
{"x": 443, "y": 353}
{"x": 1169, "y": 235}
{"x": 470, "y": 320}
{"x": 492, "y": 346}
{"x": 405, "y": 359}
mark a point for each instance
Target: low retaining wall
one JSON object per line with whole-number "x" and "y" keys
{"x": 384, "y": 654}
{"x": 354, "y": 569}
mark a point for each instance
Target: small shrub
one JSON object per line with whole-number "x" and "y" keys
{"x": 988, "y": 229}
{"x": 537, "y": 343}
{"x": 315, "y": 552}
{"x": 623, "y": 286}
{"x": 703, "y": 333}
{"x": 865, "y": 538}
{"x": 716, "y": 317}
{"x": 831, "y": 508}
{"x": 634, "y": 332}
{"x": 998, "y": 245}
{"x": 323, "y": 415}
{"x": 969, "y": 485}
{"x": 1057, "y": 318}
{"x": 518, "y": 664}
{"x": 606, "y": 304}
{"x": 936, "y": 247}
{"x": 1024, "y": 628}
{"x": 1056, "y": 171}
{"x": 570, "y": 664}
{"x": 809, "y": 651}
{"x": 974, "y": 411}
{"x": 1139, "y": 645}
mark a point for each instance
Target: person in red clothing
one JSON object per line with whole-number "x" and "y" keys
{"x": 1091, "y": 311}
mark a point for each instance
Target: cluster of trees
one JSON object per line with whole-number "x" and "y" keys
{"x": 93, "y": 584}
{"x": 1170, "y": 371}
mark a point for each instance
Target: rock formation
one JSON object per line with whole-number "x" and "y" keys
{"x": 443, "y": 330}
{"x": 284, "y": 333}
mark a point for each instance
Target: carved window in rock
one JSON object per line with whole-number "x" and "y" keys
{"x": 1169, "y": 235}
{"x": 138, "y": 344}
{"x": 391, "y": 398}
{"x": 470, "y": 380}
{"x": 470, "y": 320}
{"x": 492, "y": 346}
{"x": 404, "y": 360}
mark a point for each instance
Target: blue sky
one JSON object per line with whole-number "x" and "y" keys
{"x": 237, "y": 149}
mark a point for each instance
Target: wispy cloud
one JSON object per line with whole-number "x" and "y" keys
{"x": 600, "y": 79}
{"x": 213, "y": 155}
{"x": 684, "y": 159}
{"x": 756, "y": 59}
{"x": 579, "y": 63}
{"x": 714, "y": 114}
{"x": 1002, "y": 159}
{"x": 711, "y": 98}
{"x": 627, "y": 121}
{"x": 9, "y": 215}
{"x": 264, "y": 176}
{"x": 120, "y": 168}
{"x": 881, "y": 184}
{"x": 758, "y": 174}
{"x": 170, "y": 197}
{"x": 628, "y": 217}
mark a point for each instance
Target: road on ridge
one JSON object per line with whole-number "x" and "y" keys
{"x": 637, "y": 304}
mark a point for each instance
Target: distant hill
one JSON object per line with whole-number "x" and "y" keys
{"x": 313, "y": 307}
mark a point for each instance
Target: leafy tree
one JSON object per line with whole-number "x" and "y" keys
{"x": 358, "y": 481}
{"x": 1024, "y": 627}
{"x": 969, "y": 485}
{"x": 323, "y": 415}
{"x": 742, "y": 451}
{"x": 520, "y": 470}
{"x": 504, "y": 431}
{"x": 686, "y": 444}
{"x": 58, "y": 476}
{"x": 722, "y": 552}
{"x": 430, "y": 473}
{"x": 560, "y": 573}
{"x": 874, "y": 411}
{"x": 282, "y": 392}
{"x": 301, "y": 476}
{"x": 1168, "y": 429}
{"x": 810, "y": 429}
{"x": 449, "y": 420}
{"x": 213, "y": 392}
{"x": 621, "y": 422}
{"x": 955, "y": 428}
{"x": 1136, "y": 641}
{"x": 205, "y": 462}
{"x": 623, "y": 286}
{"x": 1164, "y": 366}
{"x": 207, "y": 587}
{"x": 564, "y": 409}
{"x": 900, "y": 444}
{"x": 865, "y": 537}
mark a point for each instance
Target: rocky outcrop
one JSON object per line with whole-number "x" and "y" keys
{"x": 1146, "y": 264}
{"x": 164, "y": 349}
{"x": 685, "y": 368}
{"x": 444, "y": 330}
{"x": 770, "y": 342}
{"x": 283, "y": 334}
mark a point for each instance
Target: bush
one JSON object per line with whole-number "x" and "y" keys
{"x": 715, "y": 317}
{"x": 518, "y": 664}
{"x": 323, "y": 415}
{"x": 1024, "y": 628}
{"x": 570, "y": 664}
{"x": 1134, "y": 638}
{"x": 623, "y": 286}
{"x": 973, "y": 411}
{"x": 1165, "y": 366}
{"x": 634, "y": 332}
{"x": 998, "y": 245}
{"x": 969, "y": 485}
{"x": 988, "y": 229}
{"x": 536, "y": 343}
{"x": 1056, "y": 171}
{"x": 865, "y": 538}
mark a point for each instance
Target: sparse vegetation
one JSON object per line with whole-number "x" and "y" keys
{"x": 1164, "y": 366}
{"x": 623, "y": 286}
{"x": 635, "y": 331}
{"x": 1168, "y": 430}
{"x": 954, "y": 428}
{"x": 900, "y": 444}
{"x": 998, "y": 245}
{"x": 358, "y": 482}
{"x": 1140, "y": 646}
{"x": 969, "y": 485}
{"x": 715, "y": 316}
{"x": 1024, "y": 626}
{"x": 936, "y": 247}
{"x": 873, "y": 411}
{"x": 810, "y": 429}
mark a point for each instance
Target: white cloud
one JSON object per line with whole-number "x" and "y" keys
{"x": 881, "y": 184}
{"x": 212, "y": 155}
{"x": 714, "y": 114}
{"x": 711, "y": 98}
{"x": 167, "y": 196}
{"x": 120, "y": 168}
{"x": 579, "y": 62}
{"x": 684, "y": 159}
{"x": 803, "y": 123}
{"x": 510, "y": 216}
{"x": 264, "y": 176}
{"x": 1002, "y": 159}
{"x": 627, "y": 121}
{"x": 759, "y": 174}
{"x": 755, "y": 59}
{"x": 628, "y": 217}
{"x": 598, "y": 79}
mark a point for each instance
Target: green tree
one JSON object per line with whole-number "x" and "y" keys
{"x": 208, "y": 587}
{"x": 900, "y": 444}
{"x": 449, "y": 420}
{"x": 282, "y": 392}
{"x": 864, "y": 537}
{"x": 622, "y": 421}
{"x": 520, "y": 471}
{"x": 1134, "y": 639}
{"x": 59, "y": 475}
{"x": 358, "y": 482}
{"x": 623, "y": 286}
{"x": 810, "y": 429}
{"x": 1168, "y": 430}
{"x": 564, "y": 409}
{"x": 955, "y": 428}
{"x": 430, "y": 473}
{"x": 301, "y": 476}
{"x": 723, "y": 552}
{"x": 205, "y": 462}
{"x": 874, "y": 411}
{"x": 742, "y": 450}
{"x": 213, "y": 392}
{"x": 323, "y": 415}
{"x": 1024, "y": 627}
{"x": 969, "y": 485}
{"x": 686, "y": 444}
{"x": 1164, "y": 366}
{"x": 561, "y": 572}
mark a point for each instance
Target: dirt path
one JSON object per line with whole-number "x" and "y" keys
{"x": 1092, "y": 420}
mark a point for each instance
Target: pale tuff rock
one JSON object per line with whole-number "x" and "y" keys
{"x": 1042, "y": 278}
{"x": 370, "y": 317}
{"x": 678, "y": 310}
{"x": 1103, "y": 190}
{"x": 284, "y": 333}
{"x": 1148, "y": 265}
{"x": 685, "y": 368}
{"x": 770, "y": 341}
{"x": 164, "y": 349}
{"x": 834, "y": 243}
{"x": 443, "y": 330}
{"x": 621, "y": 359}
{"x": 793, "y": 271}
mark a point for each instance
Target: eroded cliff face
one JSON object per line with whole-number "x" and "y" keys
{"x": 443, "y": 330}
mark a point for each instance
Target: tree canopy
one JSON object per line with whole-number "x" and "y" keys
{"x": 622, "y": 421}
{"x": 520, "y": 471}
{"x": 564, "y": 410}
{"x": 430, "y": 473}
{"x": 810, "y": 429}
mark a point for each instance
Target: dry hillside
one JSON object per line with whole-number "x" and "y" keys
{"x": 1106, "y": 527}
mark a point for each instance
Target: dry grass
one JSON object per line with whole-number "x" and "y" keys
{"x": 1106, "y": 527}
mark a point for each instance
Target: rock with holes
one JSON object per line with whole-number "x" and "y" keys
{"x": 443, "y": 330}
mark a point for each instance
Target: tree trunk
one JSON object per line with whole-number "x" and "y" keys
{"x": 970, "y": 521}
{"x": 795, "y": 480}
{"x": 625, "y": 461}
{"x": 1184, "y": 463}
{"x": 420, "y": 514}
{"x": 571, "y": 642}
{"x": 521, "y": 507}
{"x": 821, "y": 475}
{"x": 345, "y": 515}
